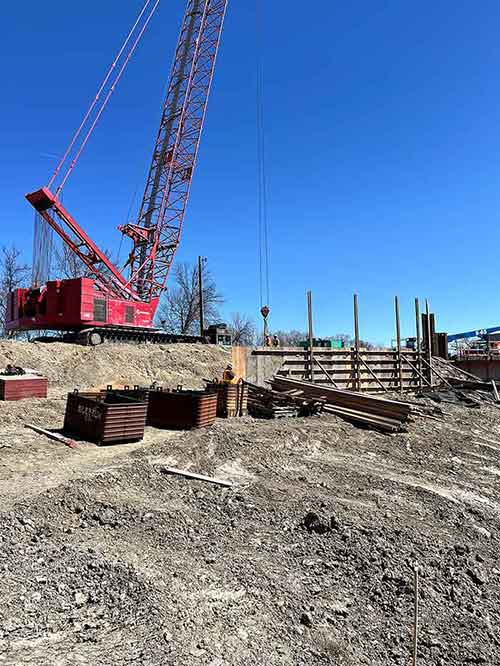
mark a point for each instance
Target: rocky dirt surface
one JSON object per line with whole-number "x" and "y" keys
{"x": 307, "y": 559}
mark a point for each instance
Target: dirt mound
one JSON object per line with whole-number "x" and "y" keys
{"x": 73, "y": 366}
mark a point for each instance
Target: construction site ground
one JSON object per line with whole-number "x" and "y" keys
{"x": 106, "y": 559}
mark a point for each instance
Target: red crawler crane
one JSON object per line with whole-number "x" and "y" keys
{"x": 109, "y": 304}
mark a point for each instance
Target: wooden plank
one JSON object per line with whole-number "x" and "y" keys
{"x": 372, "y": 373}
{"x": 52, "y": 435}
{"x": 325, "y": 372}
{"x": 416, "y": 370}
{"x": 298, "y": 351}
{"x": 343, "y": 362}
{"x": 364, "y": 378}
{"x": 197, "y": 477}
{"x": 434, "y": 371}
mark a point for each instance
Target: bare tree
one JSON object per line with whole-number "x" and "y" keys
{"x": 290, "y": 338}
{"x": 179, "y": 311}
{"x": 242, "y": 330}
{"x": 67, "y": 264}
{"x": 13, "y": 274}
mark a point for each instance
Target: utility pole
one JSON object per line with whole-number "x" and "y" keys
{"x": 201, "y": 260}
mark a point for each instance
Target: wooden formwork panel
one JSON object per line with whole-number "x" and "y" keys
{"x": 374, "y": 371}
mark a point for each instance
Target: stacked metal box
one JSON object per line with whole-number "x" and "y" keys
{"x": 177, "y": 409}
{"x": 232, "y": 399}
{"x": 182, "y": 409}
{"x": 21, "y": 387}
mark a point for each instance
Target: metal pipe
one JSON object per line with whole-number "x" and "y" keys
{"x": 419, "y": 340}
{"x": 415, "y": 614}
{"x": 356, "y": 342}
{"x": 200, "y": 287}
{"x": 310, "y": 318}
{"x": 398, "y": 342}
{"x": 429, "y": 341}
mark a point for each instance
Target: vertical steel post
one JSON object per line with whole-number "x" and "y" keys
{"x": 419, "y": 341}
{"x": 310, "y": 319}
{"x": 356, "y": 344}
{"x": 398, "y": 342}
{"x": 429, "y": 341}
{"x": 200, "y": 287}
{"x": 415, "y": 614}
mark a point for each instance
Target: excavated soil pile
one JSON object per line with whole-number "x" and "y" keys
{"x": 73, "y": 366}
{"x": 307, "y": 560}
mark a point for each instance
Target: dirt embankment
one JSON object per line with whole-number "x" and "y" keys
{"x": 73, "y": 366}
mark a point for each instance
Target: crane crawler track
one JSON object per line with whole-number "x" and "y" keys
{"x": 98, "y": 335}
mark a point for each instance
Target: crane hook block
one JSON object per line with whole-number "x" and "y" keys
{"x": 264, "y": 311}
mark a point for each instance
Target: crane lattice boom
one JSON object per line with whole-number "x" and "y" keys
{"x": 157, "y": 232}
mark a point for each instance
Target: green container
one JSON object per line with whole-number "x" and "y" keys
{"x": 321, "y": 342}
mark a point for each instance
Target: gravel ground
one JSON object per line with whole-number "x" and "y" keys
{"x": 307, "y": 559}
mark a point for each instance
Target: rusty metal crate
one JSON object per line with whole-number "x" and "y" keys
{"x": 232, "y": 399}
{"x": 105, "y": 418}
{"x": 181, "y": 409}
{"x": 20, "y": 387}
{"x": 138, "y": 393}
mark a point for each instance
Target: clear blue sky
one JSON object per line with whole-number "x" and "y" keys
{"x": 383, "y": 148}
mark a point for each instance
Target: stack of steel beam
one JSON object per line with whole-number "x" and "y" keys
{"x": 263, "y": 403}
{"x": 361, "y": 409}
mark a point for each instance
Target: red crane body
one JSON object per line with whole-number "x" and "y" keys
{"x": 120, "y": 306}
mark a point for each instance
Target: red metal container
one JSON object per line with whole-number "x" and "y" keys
{"x": 232, "y": 399}
{"x": 182, "y": 410}
{"x": 105, "y": 418}
{"x": 19, "y": 387}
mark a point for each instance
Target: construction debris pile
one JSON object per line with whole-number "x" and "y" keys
{"x": 272, "y": 404}
{"x": 456, "y": 386}
{"x": 360, "y": 409}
